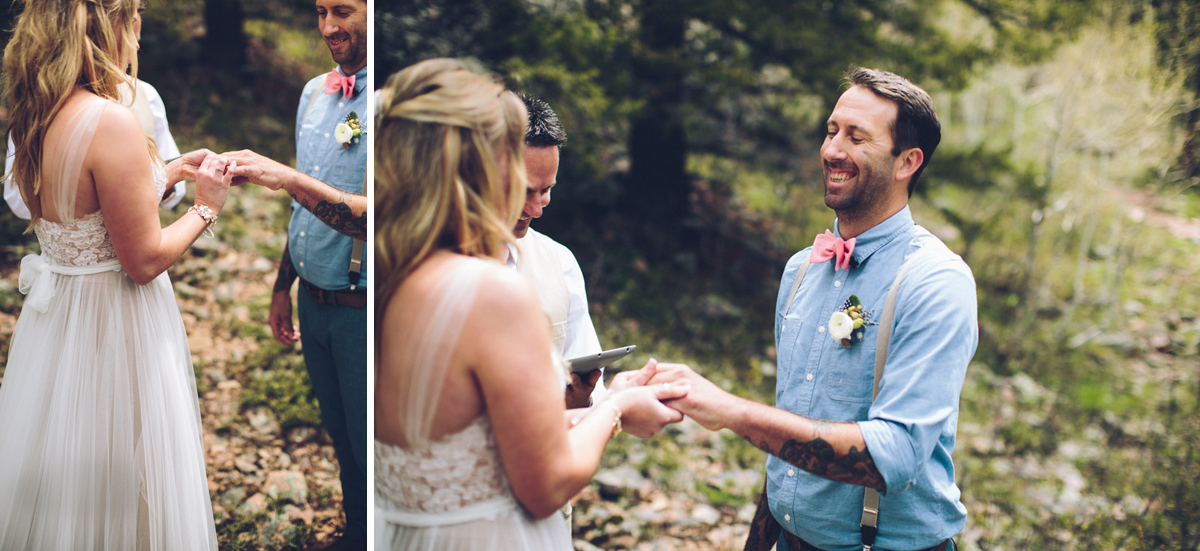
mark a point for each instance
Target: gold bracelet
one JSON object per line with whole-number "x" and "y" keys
{"x": 616, "y": 426}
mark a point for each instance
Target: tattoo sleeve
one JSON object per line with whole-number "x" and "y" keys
{"x": 287, "y": 272}
{"x": 818, "y": 457}
{"x": 338, "y": 216}
{"x": 764, "y": 529}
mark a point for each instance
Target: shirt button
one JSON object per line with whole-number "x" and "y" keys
{"x": 301, "y": 132}
{"x": 326, "y": 135}
{"x": 791, "y": 472}
{"x": 301, "y": 263}
{"x": 809, "y": 377}
{"x": 341, "y": 104}
{"x": 301, "y": 234}
{"x": 821, "y": 329}
{"x": 316, "y": 167}
{"x": 835, "y": 284}
{"x": 787, "y": 517}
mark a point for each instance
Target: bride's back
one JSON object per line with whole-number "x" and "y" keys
{"x": 425, "y": 390}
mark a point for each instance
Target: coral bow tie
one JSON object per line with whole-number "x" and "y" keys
{"x": 336, "y": 81}
{"x": 828, "y": 246}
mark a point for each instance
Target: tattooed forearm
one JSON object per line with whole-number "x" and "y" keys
{"x": 764, "y": 529}
{"x": 287, "y": 273}
{"x": 338, "y": 216}
{"x": 819, "y": 458}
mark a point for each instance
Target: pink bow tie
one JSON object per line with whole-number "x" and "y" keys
{"x": 336, "y": 81}
{"x": 828, "y": 246}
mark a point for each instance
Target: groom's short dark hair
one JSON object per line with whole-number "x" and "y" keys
{"x": 916, "y": 123}
{"x": 544, "y": 130}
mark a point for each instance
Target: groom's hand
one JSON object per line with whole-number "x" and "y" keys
{"x": 706, "y": 403}
{"x": 282, "y": 326}
{"x": 256, "y": 169}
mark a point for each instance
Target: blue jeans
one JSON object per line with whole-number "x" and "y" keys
{"x": 335, "y": 352}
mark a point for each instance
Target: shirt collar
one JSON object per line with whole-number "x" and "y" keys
{"x": 875, "y": 238}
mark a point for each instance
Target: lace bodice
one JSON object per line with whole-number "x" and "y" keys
{"x": 85, "y": 240}
{"x": 457, "y": 471}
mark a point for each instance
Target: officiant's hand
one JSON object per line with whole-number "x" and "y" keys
{"x": 579, "y": 390}
{"x": 706, "y": 403}
{"x": 256, "y": 169}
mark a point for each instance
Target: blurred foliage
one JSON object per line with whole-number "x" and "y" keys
{"x": 1063, "y": 178}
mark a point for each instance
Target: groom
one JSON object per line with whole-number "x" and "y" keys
{"x": 828, "y": 437}
{"x": 325, "y": 248}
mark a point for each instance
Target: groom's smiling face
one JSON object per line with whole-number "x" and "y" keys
{"x": 343, "y": 23}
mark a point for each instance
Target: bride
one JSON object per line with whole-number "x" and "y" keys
{"x": 473, "y": 448}
{"x": 99, "y": 420}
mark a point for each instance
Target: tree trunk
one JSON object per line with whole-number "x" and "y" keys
{"x": 225, "y": 36}
{"x": 657, "y": 187}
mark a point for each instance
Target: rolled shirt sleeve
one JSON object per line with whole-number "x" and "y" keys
{"x": 934, "y": 336}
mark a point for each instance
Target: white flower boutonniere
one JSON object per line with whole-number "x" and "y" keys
{"x": 845, "y": 325}
{"x": 348, "y": 131}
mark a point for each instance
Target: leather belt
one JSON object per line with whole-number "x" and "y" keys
{"x": 800, "y": 545}
{"x": 351, "y": 299}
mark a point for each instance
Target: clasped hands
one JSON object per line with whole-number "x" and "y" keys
{"x": 244, "y": 166}
{"x": 662, "y": 393}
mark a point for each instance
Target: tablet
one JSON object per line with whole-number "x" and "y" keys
{"x": 584, "y": 364}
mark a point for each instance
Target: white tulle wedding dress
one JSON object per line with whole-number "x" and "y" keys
{"x": 450, "y": 494}
{"x": 100, "y": 445}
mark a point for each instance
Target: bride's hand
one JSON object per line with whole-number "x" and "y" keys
{"x": 212, "y": 181}
{"x": 642, "y": 411}
{"x": 631, "y": 379}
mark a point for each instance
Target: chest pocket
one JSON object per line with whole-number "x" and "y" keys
{"x": 853, "y": 378}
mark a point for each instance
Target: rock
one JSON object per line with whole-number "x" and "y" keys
{"x": 245, "y": 464}
{"x": 263, "y": 420}
{"x": 229, "y": 385}
{"x": 706, "y": 514}
{"x": 583, "y": 545}
{"x": 621, "y": 480}
{"x": 256, "y": 504}
{"x": 183, "y": 290}
{"x": 232, "y": 497}
{"x": 286, "y": 486}
{"x": 301, "y": 434}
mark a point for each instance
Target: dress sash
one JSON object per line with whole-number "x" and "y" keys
{"x": 489, "y": 509}
{"x": 37, "y": 287}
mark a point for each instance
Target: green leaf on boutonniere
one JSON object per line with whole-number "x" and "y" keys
{"x": 854, "y": 301}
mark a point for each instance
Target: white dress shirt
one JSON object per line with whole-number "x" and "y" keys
{"x": 581, "y": 339}
{"x": 162, "y": 138}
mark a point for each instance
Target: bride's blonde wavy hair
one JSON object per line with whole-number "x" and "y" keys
{"x": 442, "y": 128}
{"x": 56, "y": 47}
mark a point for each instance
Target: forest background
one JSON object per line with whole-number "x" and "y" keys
{"x": 1066, "y": 178}
{"x": 230, "y": 73}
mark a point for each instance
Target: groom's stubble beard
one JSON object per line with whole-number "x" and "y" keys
{"x": 357, "y": 51}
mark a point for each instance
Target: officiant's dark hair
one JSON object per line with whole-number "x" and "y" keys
{"x": 916, "y": 123}
{"x": 544, "y": 130}
{"x": 445, "y": 131}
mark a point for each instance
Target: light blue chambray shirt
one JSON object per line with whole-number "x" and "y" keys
{"x": 910, "y": 428}
{"x": 320, "y": 254}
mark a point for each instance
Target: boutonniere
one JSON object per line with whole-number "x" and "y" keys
{"x": 349, "y": 130}
{"x": 846, "y": 324}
